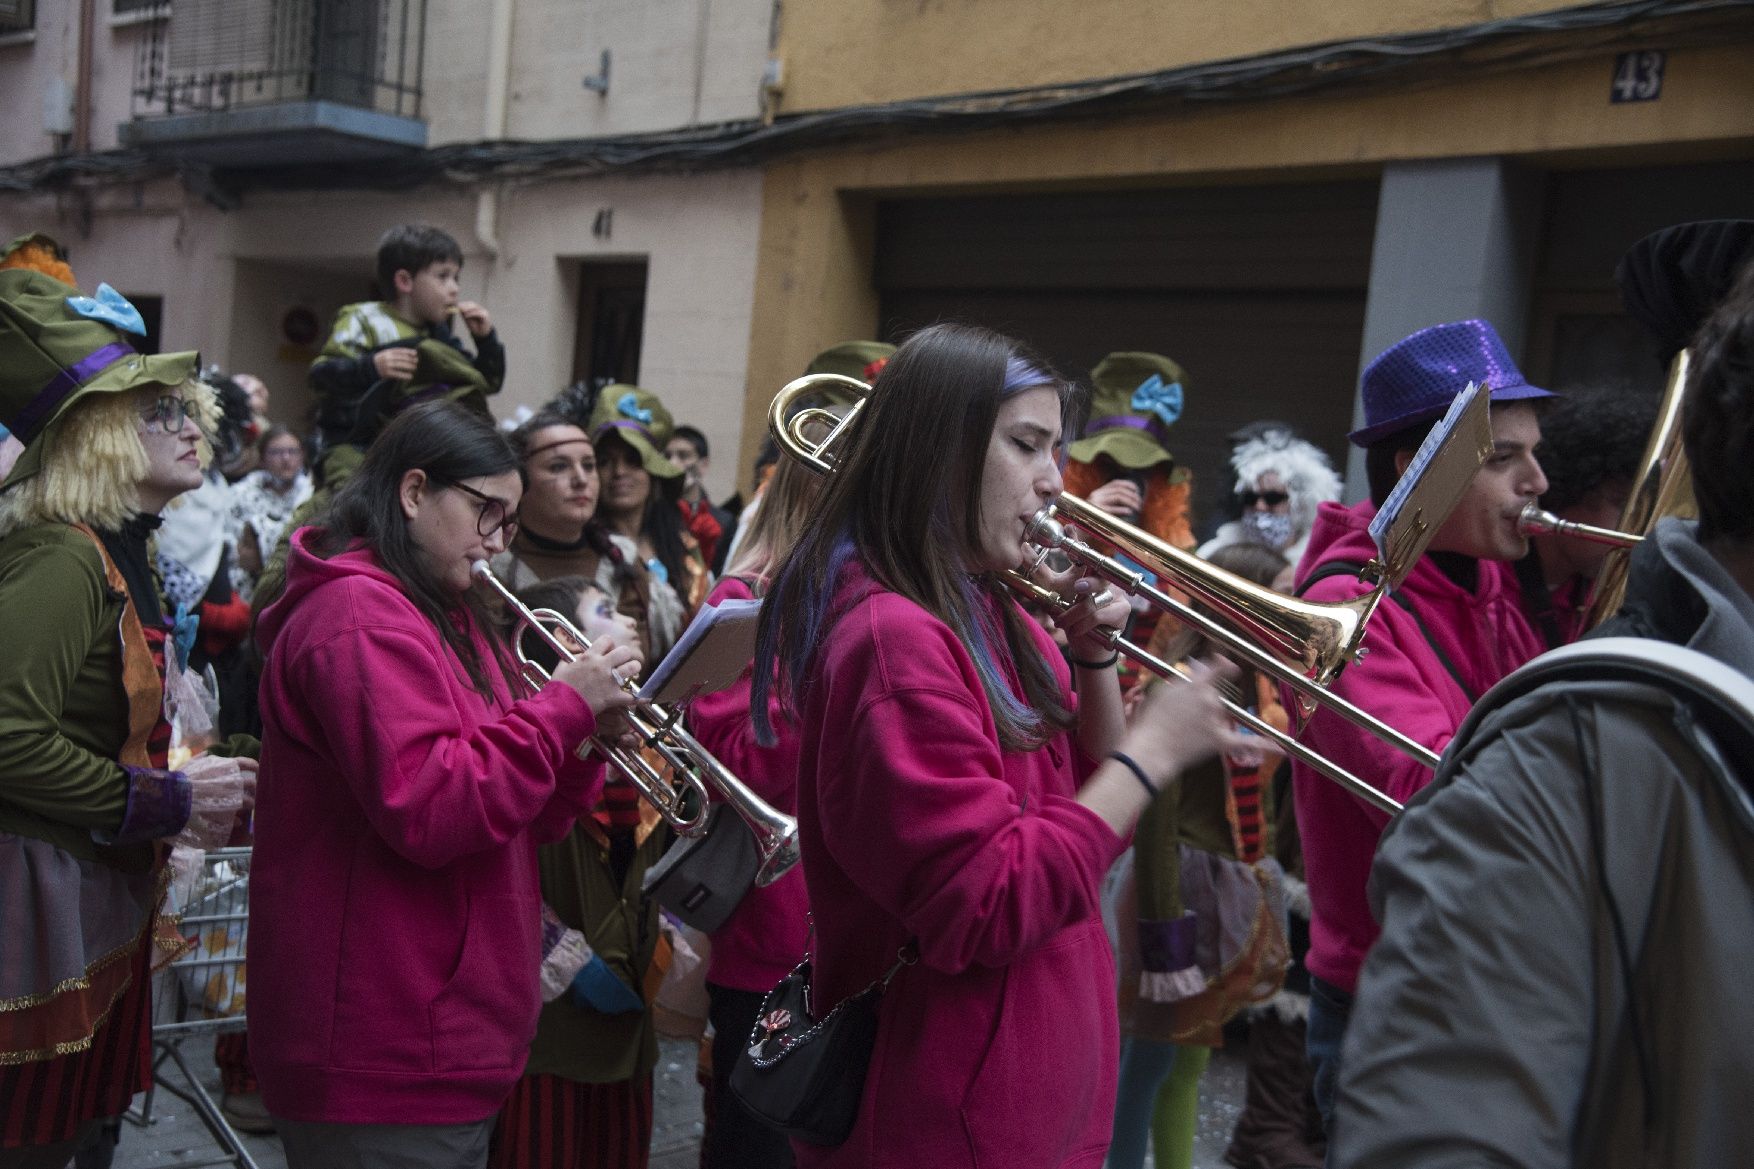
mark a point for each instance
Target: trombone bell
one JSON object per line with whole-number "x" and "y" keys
{"x": 1316, "y": 639}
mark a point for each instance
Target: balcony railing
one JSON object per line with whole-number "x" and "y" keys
{"x": 17, "y": 16}
{"x": 217, "y": 56}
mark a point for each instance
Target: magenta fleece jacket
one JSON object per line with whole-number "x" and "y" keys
{"x": 1000, "y": 1046}
{"x": 395, "y": 929}
{"x": 1403, "y": 682}
{"x": 764, "y": 936}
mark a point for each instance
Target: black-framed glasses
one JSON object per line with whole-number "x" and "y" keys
{"x": 169, "y": 412}
{"x": 493, "y": 517}
{"x": 1270, "y": 498}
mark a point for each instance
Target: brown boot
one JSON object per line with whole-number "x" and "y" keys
{"x": 1272, "y": 1131}
{"x": 245, "y": 1112}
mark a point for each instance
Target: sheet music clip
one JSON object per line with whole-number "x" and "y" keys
{"x": 1436, "y": 479}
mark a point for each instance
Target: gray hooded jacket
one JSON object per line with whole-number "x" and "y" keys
{"x": 1500, "y": 1021}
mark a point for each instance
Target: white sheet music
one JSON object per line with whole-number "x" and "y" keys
{"x": 709, "y": 655}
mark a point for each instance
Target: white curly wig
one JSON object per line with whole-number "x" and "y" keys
{"x": 1309, "y": 478}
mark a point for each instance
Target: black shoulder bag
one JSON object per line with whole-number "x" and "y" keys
{"x": 806, "y": 1076}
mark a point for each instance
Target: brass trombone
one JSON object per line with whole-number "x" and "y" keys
{"x": 1170, "y": 671}
{"x": 660, "y": 729}
{"x": 1535, "y": 522}
{"x": 1308, "y": 644}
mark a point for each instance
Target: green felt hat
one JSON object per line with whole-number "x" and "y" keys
{"x": 855, "y": 359}
{"x": 639, "y": 419}
{"x": 1138, "y": 398}
{"x": 859, "y": 360}
{"x": 57, "y": 346}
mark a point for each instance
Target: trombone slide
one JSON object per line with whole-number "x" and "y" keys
{"x": 1169, "y": 671}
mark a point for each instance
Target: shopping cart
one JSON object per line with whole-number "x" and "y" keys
{"x": 200, "y": 995}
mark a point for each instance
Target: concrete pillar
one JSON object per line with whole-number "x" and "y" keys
{"x": 1455, "y": 238}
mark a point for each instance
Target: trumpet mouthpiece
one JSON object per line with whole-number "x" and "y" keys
{"x": 480, "y": 570}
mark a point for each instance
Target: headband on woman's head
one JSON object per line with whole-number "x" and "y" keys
{"x": 548, "y": 446}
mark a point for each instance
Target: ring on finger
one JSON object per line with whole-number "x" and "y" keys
{"x": 1101, "y": 597}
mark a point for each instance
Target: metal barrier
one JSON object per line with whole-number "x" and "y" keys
{"x": 200, "y": 995}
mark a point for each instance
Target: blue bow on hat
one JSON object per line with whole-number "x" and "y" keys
{"x": 110, "y": 307}
{"x": 630, "y": 408}
{"x": 1153, "y": 396}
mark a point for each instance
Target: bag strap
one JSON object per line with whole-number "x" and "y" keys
{"x": 907, "y": 955}
{"x": 1353, "y": 568}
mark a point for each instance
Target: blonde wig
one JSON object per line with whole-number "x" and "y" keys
{"x": 93, "y": 461}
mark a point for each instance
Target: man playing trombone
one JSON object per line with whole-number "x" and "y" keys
{"x": 1581, "y": 869}
{"x": 1449, "y": 632}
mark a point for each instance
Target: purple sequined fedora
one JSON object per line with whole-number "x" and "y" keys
{"x": 1415, "y": 379}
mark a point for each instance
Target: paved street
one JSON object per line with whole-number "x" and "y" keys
{"x": 177, "y": 1137}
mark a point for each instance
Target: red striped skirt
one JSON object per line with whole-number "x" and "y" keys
{"x": 554, "y": 1123}
{"x": 48, "y": 1100}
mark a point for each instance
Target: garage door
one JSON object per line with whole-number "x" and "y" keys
{"x": 1257, "y": 291}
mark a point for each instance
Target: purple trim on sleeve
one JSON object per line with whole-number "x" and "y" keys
{"x": 39, "y": 409}
{"x": 158, "y": 806}
{"x": 553, "y": 929}
{"x": 1167, "y": 946}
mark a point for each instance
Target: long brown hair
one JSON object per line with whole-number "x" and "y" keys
{"x": 905, "y": 501}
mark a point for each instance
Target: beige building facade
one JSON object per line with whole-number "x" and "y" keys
{"x": 1269, "y": 192}
{"x": 240, "y": 276}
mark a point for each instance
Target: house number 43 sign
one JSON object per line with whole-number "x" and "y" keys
{"x": 1637, "y": 77}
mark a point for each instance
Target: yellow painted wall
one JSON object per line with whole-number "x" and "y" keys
{"x": 814, "y": 283}
{"x": 853, "y": 52}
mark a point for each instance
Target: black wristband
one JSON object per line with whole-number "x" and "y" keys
{"x": 1102, "y": 665}
{"x": 1127, "y": 761}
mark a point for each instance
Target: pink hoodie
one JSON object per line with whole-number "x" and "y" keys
{"x": 1000, "y": 1046}
{"x": 395, "y": 931}
{"x": 764, "y": 936}
{"x": 1403, "y": 682}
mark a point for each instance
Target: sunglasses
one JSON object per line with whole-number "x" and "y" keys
{"x": 493, "y": 516}
{"x": 1270, "y": 498}
{"x": 169, "y": 412}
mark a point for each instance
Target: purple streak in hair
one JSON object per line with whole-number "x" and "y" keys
{"x": 813, "y": 614}
{"x": 983, "y": 638}
{"x": 1021, "y": 375}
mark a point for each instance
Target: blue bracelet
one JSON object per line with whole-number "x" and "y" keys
{"x": 1132, "y": 765}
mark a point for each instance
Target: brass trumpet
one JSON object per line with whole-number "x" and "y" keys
{"x": 661, "y": 730}
{"x": 1307, "y": 644}
{"x": 1535, "y": 522}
